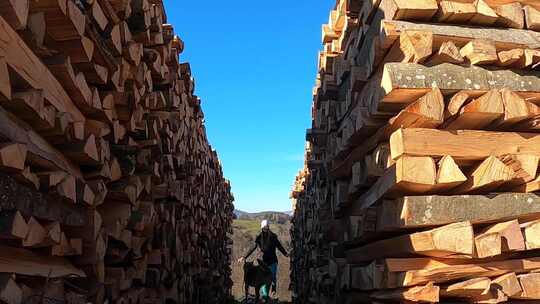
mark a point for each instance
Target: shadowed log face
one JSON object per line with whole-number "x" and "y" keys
{"x": 28, "y": 201}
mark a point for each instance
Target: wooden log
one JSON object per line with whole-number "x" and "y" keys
{"x": 5, "y": 87}
{"x": 507, "y": 283}
{"x": 96, "y": 128}
{"x": 115, "y": 42}
{"x": 443, "y": 273}
{"x": 26, "y": 104}
{"x": 27, "y": 177}
{"x": 116, "y": 9}
{"x": 59, "y": 183}
{"x": 455, "y": 11}
{"x": 30, "y": 107}
{"x": 479, "y": 113}
{"x": 100, "y": 190}
{"x": 472, "y": 288}
{"x": 35, "y": 33}
{"x": 65, "y": 20}
{"x": 516, "y": 109}
{"x": 376, "y": 163}
{"x": 24, "y": 262}
{"x": 532, "y": 18}
{"x": 456, "y": 103}
{"x": 488, "y": 176}
{"x": 371, "y": 54}
{"x": 413, "y": 46}
{"x": 510, "y": 15}
{"x": 484, "y": 15}
{"x": 67, "y": 247}
{"x": 409, "y": 10}
{"x": 445, "y": 241}
{"x": 499, "y": 238}
{"x": 511, "y": 58}
{"x": 530, "y": 233}
{"x": 98, "y": 15}
{"x": 39, "y": 151}
{"x": 418, "y": 142}
{"x": 531, "y": 186}
{"x": 519, "y": 58}
{"x": 31, "y": 202}
{"x": 36, "y": 233}
{"x": 449, "y": 175}
{"x": 530, "y": 125}
{"x": 407, "y": 175}
{"x": 23, "y": 61}
{"x": 74, "y": 83}
{"x": 531, "y": 59}
{"x": 16, "y": 13}
{"x": 95, "y": 74}
{"x": 492, "y": 296}
{"x": 13, "y": 225}
{"x": 403, "y": 83}
{"x": 448, "y": 53}
{"x": 42, "y": 235}
{"x": 423, "y": 294}
{"x": 83, "y": 152}
{"x": 421, "y": 263}
{"x": 522, "y": 2}
{"x": 80, "y": 50}
{"x": 525, "y": 168}
{"x": 10, "y": 292}
{"x": 84, "y": 193}
{"x": 530, "y": 285}
{"x": 504, "y": 39}
{"x": 426, "y": 112}
{"x": 54, "y": 232}
{"x": 12, "y": 157}
{"x": 49, "y": 180}
{"x": 409, "y": 212}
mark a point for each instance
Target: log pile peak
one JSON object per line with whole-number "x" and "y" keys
{"x": 110, "y": 191}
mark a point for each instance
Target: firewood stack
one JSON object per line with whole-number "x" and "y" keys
{"x": 422, "y": 160}
{"x": 110, "y": 192}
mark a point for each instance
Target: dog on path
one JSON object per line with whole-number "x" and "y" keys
{"x": 256, "y": 276}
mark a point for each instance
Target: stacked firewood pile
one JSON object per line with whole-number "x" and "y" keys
{"x": 422, "y": 161}
{"x": 109, "y": 190}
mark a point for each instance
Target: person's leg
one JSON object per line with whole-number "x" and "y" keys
{"x": 260, "y": 291}
{"x": 274, "y": 268}
{"x": 264, "y": 292}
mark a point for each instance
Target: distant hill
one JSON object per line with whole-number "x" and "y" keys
{"x": 245, "y": 229}
{"x": 273, "y": 216}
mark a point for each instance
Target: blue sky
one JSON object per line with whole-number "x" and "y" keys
{"x": 254, "y": 63}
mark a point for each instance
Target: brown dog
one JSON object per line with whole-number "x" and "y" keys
{"x": 256, "y": 276}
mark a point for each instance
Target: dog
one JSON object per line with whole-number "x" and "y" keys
{"x": 256, "y": 276}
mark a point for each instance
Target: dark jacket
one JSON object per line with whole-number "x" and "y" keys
{"x": 268, "y": 242}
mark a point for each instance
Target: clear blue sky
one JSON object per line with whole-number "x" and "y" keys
{"x": 254, "y": 63}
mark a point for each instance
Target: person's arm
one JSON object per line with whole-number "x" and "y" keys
{"x": 250, "y": 252}
{"x": 280, "y": 247}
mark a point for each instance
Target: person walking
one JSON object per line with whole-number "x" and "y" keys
{"x": 267, "y": 241}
